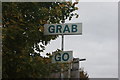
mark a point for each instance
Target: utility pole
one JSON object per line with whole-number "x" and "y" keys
{"x": 62, "y": 48}
{"x": 69, "y": 64}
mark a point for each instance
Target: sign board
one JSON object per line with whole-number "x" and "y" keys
{"x": 62, "y": 57}
{"x": 65, "y": 29}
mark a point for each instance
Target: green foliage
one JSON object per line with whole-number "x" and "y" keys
{"x": 83, "y": 75}
{"x": 22, "y": 35}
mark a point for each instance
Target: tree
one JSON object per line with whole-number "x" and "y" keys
{"x": 83, "y": 75}
{"x": 23, "y": 38}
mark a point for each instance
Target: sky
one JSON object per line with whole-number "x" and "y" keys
{"x": 98, "y": 42}
{"x": 98, "y": 0}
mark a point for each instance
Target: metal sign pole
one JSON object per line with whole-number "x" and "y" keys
{"x": 69, "y": 70}
{"x": 62, "y": 45}
{"x": 62, "y": 48}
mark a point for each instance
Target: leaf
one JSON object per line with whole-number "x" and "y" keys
{"x": 22, "y": 32}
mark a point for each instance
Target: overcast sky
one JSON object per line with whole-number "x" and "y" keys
{"x": 98, "y": 0}
{"x": 99, "y": 41}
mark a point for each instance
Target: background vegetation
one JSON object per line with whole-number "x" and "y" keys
{"x": 23, "y": 39}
